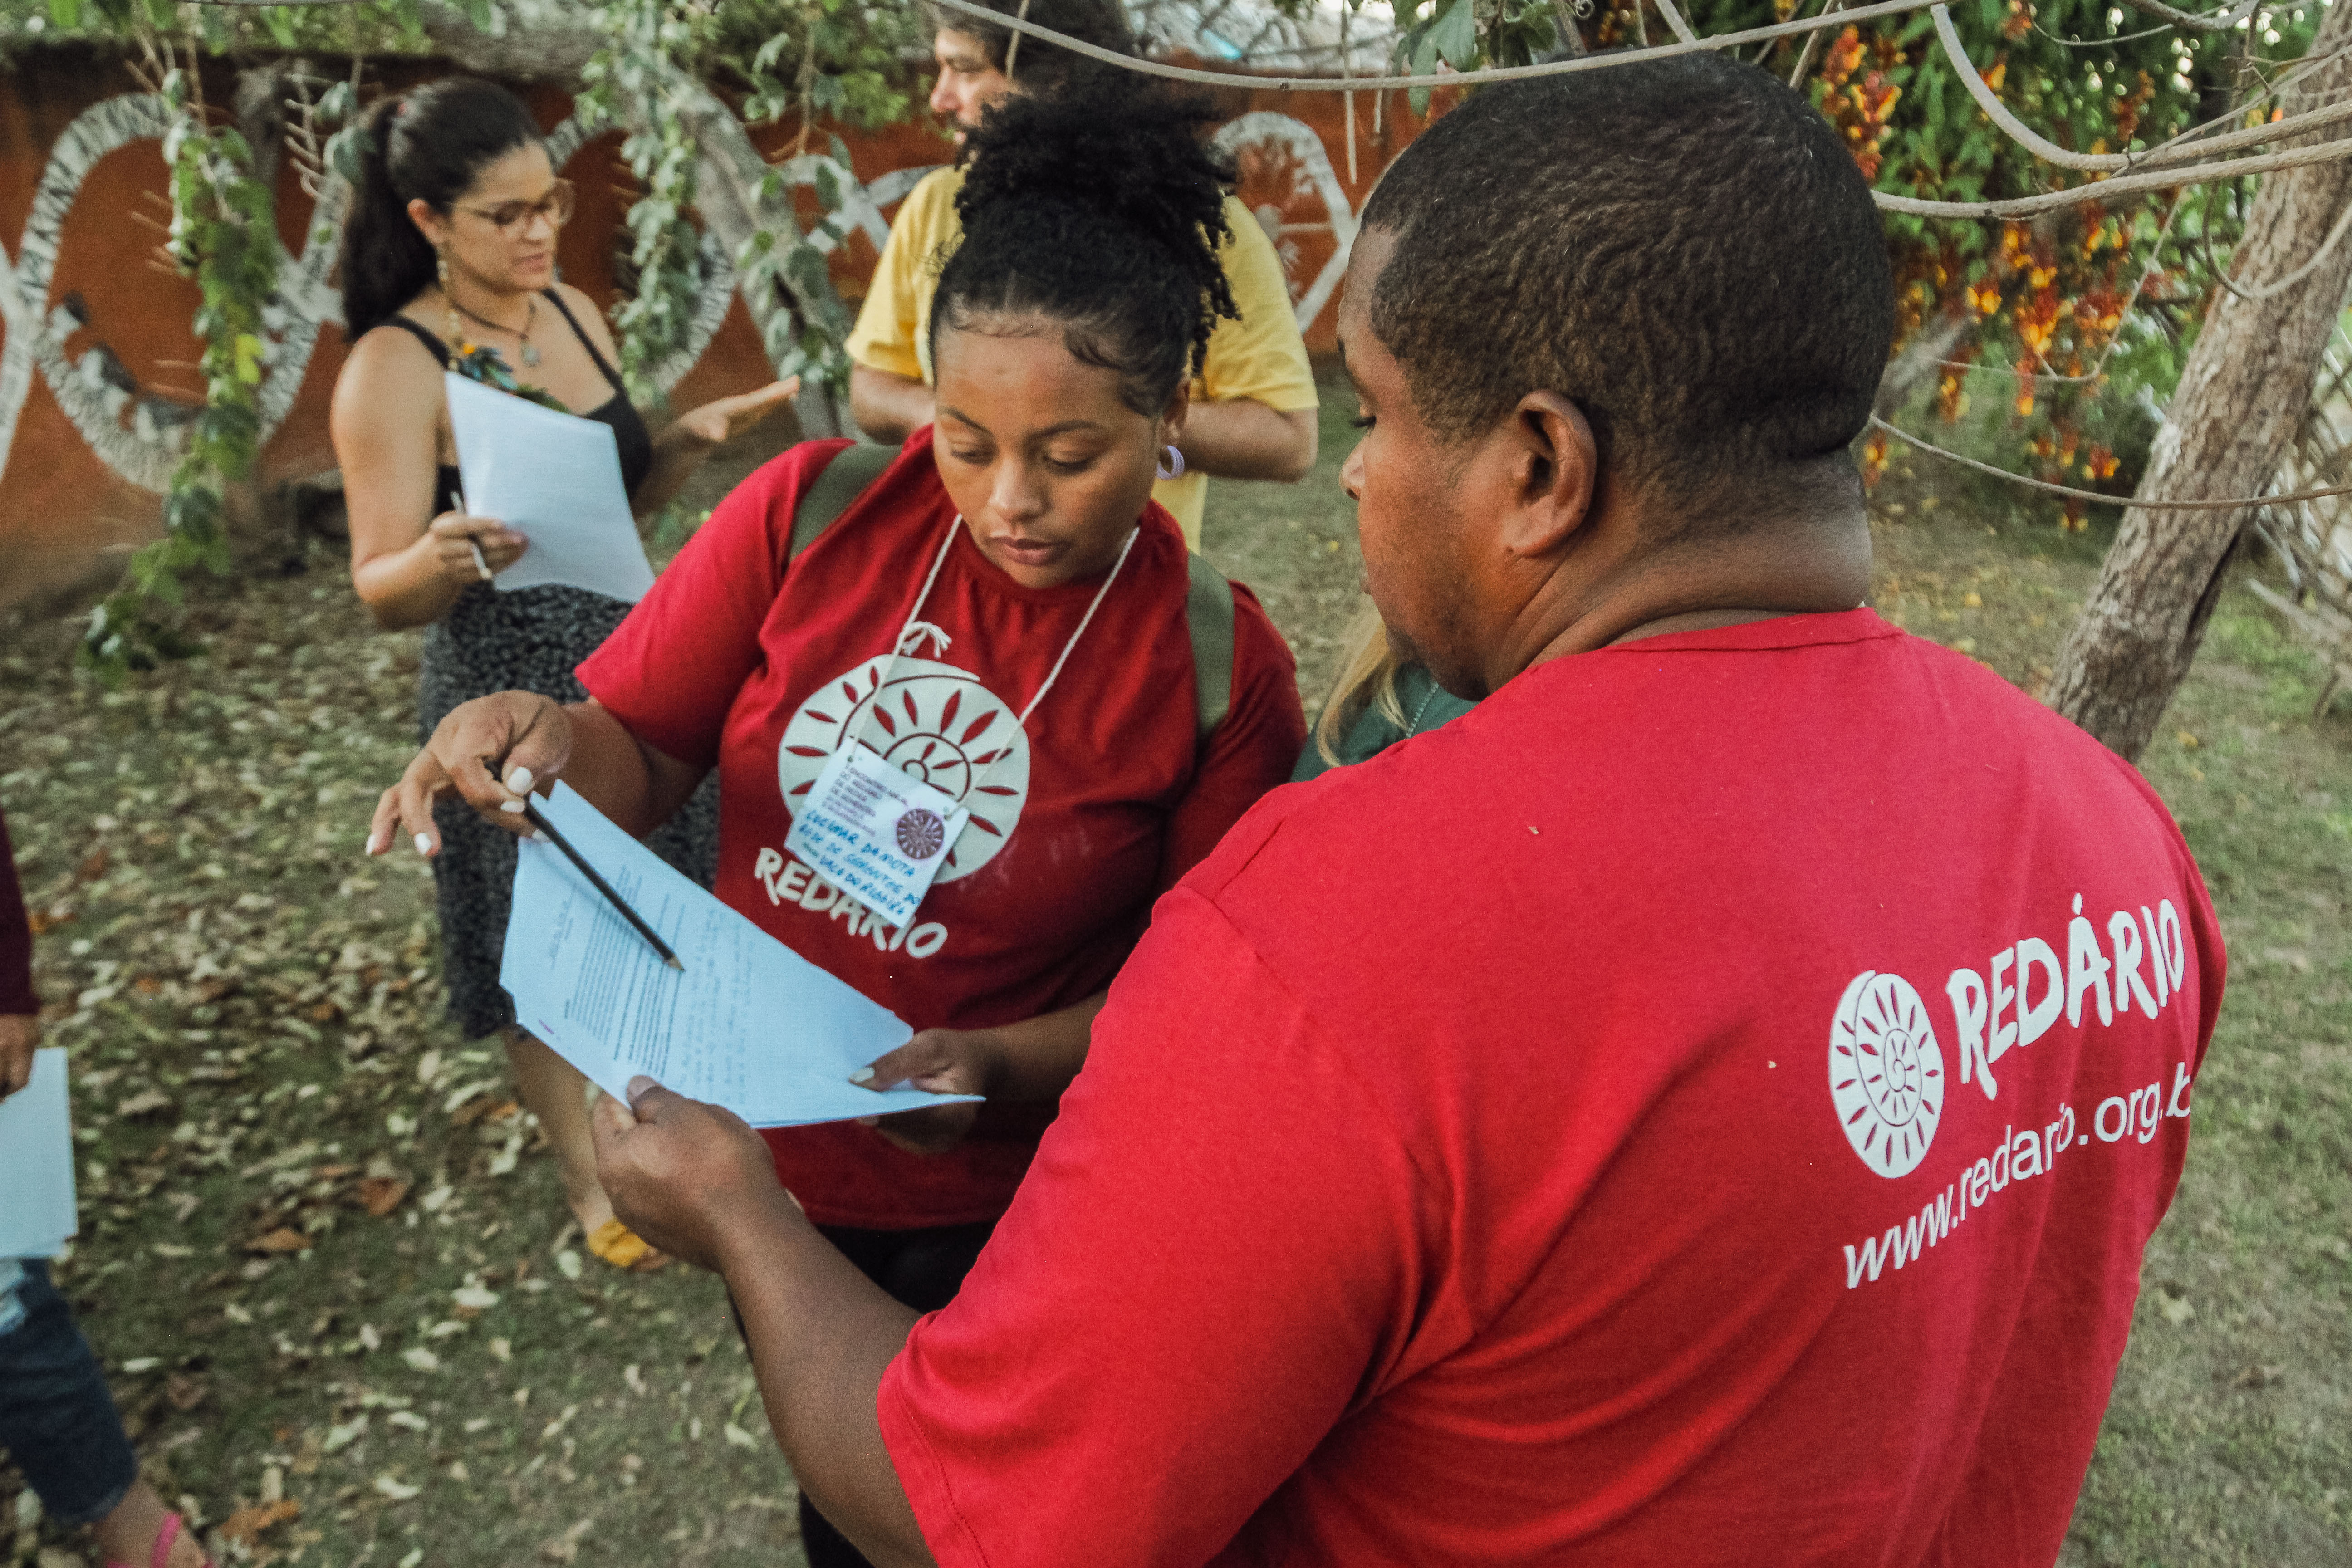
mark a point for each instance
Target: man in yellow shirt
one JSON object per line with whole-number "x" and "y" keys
{"x": 1253, "y": 414}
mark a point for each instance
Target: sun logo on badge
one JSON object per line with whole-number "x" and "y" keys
{"x": 1887, "y": 1073}
{"x": 935, "y": 723}
{"x": 921, "y": 834}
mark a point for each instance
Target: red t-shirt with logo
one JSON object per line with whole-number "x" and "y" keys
{"x": 1078, "y": 820}
{"x": 1706, "y": 1104}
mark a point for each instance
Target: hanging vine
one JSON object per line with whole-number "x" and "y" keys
{"x": 641, "y": 79}
{"x": 222, "y": 236}
{"x": 808, "y": 59}
{"x": 844, "y": 68}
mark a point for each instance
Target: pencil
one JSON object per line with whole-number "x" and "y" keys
{"x": 531, "y": 815}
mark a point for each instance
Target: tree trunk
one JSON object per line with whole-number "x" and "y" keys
{"x": 727, "y": 194}
{"x": 538, "y": 40}
{"x": 2242, "y": 396}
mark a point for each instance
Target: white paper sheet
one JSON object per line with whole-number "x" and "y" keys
{"x": 751, "y": 1024}
{"x": 36, "y": 1174}
{"x": 555, "y": 478}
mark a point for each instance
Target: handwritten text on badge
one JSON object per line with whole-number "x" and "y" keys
{"x": 875, "y": 832}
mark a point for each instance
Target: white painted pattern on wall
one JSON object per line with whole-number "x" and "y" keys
{"x": 139, "y": 434}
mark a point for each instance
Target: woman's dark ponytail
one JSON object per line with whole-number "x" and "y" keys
{"x": 386, "y": 262}
{"x": 430, "y": 145}
{"x": 1098, "y": 207}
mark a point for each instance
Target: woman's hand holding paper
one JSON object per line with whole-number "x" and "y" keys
{"x": 683, "y": 1174}
{"x": 469, "y": 549}
{"x": 492, "y": 752}
{"x": 939, "y": 1061}
{"x": 1018, "y": 1068}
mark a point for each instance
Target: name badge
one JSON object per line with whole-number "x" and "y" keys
{"x": 875, "y": 833}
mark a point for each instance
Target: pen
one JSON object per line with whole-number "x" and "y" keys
{"x": 531, "y": 814}
{"x": 480, "y": 564}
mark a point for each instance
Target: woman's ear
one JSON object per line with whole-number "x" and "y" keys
{"x": 430, "y": 224}
{"x": 1172, "y": 417}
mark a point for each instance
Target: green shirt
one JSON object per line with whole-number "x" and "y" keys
{"x": 1426, "y": 706}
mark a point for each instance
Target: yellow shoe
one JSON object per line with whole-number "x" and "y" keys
{"x": 622, "y": 1248}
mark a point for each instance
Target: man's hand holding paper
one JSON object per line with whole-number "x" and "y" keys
{"x": 682, "y": 1173}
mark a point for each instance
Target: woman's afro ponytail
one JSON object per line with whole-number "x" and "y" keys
{"x": 1099, "y": 207}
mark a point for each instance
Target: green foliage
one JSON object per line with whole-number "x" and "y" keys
{"x": 2051, "y": 330}
{"x": 374, "y": 27}
{"x": 835, "y": 58}
{"x": 640, "y": 76}
{"x": 809, "y": 59}
{"x": 2065, "y": 349}
{"x": 1467, "y": 34}
{"x": 222, "y": 236}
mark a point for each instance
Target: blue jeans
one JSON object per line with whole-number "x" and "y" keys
{"x": 57, "y": 1419}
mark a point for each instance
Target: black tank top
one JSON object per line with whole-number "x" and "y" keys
{"x": 629, "y": 433}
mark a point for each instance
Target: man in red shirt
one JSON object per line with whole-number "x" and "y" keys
{"x": 1708, "y": 1104}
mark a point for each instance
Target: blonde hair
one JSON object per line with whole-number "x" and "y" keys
{"x": 1368, "y": 672}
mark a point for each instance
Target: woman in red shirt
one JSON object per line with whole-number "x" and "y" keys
{"x": 1003, "y": 613}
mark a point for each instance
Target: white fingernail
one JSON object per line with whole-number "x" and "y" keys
{"x": 374, "y": 843}
{"x": 519, "y": 778}
{"x": 423, "y": 845}
{"x": 513, "y": 808}
{"x": 863, "y": 1075}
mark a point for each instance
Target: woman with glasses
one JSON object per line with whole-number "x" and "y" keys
{"x": 450, "y": 249}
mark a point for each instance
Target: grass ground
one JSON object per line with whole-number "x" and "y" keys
{"x": 323, "y": 1260}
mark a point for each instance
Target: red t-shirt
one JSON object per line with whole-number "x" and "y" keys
{"x": 1078, "y": 821}
{"x": 1472, "y": 1165}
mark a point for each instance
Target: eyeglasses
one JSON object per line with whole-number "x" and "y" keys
{"x": 513, "y": 217}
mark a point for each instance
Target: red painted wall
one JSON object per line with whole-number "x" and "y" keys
{"x": 63, "y": 508}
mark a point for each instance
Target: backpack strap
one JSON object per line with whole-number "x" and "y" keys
{"x": 841, "y": 481}
{"x": 1209, "y": 617}
{"x": 1208, "y": 599}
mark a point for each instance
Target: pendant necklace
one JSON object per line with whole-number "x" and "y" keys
{"x": 530, "y": 319}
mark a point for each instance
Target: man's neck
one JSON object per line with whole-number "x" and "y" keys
{"x": 1812, "y": 556}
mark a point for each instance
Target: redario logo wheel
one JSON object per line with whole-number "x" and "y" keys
{"x": 1887, "y": 1072}
{"x": 935, "y": 723}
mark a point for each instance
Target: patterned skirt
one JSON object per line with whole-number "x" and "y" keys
{"x": 531, "y": 640}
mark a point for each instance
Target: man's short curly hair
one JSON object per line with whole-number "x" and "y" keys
{"x": 1680, "y": 247}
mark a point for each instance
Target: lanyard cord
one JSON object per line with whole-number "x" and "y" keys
{"x": 1071, "y": 645}
{"x": 914, "y": 616}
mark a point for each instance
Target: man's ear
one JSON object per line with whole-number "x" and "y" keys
{"x": 1556, "y": 469}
